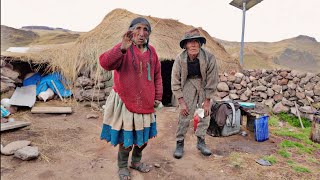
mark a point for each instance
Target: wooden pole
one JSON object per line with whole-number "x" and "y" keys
{"x": 315, "y": 129}
{"x": 299, "y": 115}
{"x": 55, "y": 87}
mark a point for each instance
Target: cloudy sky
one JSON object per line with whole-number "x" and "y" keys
{"x": 271, "y": 20}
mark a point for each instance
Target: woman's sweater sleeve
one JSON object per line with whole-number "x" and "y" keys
{"x": 112, "y": 59}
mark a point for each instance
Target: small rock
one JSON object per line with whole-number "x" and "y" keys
{"x": 11, "y": 120}
{"x": 95, "y": 116}
{"x": 157, "y": 165}
{"x": 263, "y": 162}
{"x": 12, "y": 147}
{"x": 63, "y": 115}
{"x": 243, "y": 133}
{"x": 217, "y": 156}
{"x": 27, "y": 153}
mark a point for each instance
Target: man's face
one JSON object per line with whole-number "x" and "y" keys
{"x": 193, "y": 47}
{"x": 140, "y": 34}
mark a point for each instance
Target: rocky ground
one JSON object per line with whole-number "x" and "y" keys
{"x": 70, "y": 148}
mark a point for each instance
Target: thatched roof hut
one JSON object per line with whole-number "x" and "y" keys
{"x": 166, "y": 34}
{"x": 82, "y": 56}
{"x": 165, "y": 37}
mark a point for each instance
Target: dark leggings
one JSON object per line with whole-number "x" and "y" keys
{"x": 123, "y": 155}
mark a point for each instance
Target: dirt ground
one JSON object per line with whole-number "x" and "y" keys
{"x": 70, "y": 148}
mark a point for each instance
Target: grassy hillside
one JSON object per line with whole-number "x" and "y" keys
{"x": 301, "y": 53}
{"x": 54, "y": 37}
{"x": 31, "y": 37}
{"x": 15, "y": 37}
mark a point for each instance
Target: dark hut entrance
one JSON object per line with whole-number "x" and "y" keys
{"x": 166, "y": 68}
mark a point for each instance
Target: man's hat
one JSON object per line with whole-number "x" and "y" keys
{"x": 192, "y": 34}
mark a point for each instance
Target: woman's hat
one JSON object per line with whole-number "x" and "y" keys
{"x": 192, "y": 34}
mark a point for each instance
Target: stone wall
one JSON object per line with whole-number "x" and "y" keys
{"x": 278, "y": 89}
{"x": 91, "y": 86}
{"x": 9, "y": 78}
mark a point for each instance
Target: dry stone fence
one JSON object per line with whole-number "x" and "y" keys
{"x": 278, "y": 89}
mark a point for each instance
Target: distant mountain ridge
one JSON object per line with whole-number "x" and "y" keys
{"x": 303, "y": 38}
{"x": 301, "y": 53}
{"x": 44, "y": 28}
{"x": 35, "y": 35}
{"x": 16, "y": 37}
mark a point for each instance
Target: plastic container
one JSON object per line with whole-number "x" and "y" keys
{"x": 261, "y": 132}
{"x": 247, "y": 105}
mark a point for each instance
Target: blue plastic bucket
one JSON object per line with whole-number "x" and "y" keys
{"x": 261, "y": 132}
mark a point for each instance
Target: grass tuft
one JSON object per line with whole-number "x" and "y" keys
{"x": 272, "y": 159}
{"x": 291, "y": 144}
{"x": 273, "y": 121}
{"x": 284, "y": 153}
{"x": 293, "y": 120}
{"x": 297, "y": 167}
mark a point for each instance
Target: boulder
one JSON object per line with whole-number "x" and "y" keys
{"x": 279, "y": 107}
{"x": 222, "y": 86}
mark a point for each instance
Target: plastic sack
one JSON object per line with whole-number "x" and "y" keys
{"x": 5, "y": 102}
{"x": 46, "y": 95}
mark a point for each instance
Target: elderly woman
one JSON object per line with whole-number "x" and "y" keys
{"x": 129, "y": 118}
{"x": 194, "y": 80}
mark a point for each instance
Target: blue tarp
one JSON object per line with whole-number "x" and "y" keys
{"x": 43, "y": 83}
{"x": 32, "y": 80}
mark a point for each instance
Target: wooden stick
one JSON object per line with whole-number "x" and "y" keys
{"x": 299, "y": 115}
{"x": 55, "y": 87}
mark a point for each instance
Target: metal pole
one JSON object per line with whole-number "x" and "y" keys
{"x": 242, "y": 36}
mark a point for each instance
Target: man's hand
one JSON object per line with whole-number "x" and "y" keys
{"x": 184, "y": 110}
{"x": 206, "y": 107}
{"x": 126, "y": 41}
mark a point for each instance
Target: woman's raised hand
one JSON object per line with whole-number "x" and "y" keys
{"x": 126, "y": 40}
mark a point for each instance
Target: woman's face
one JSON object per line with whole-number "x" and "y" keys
{"x": 140, "y": 34}
{"x": 193, "y": 47}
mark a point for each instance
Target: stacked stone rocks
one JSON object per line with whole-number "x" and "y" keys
{"x": 278, "y": 89}
{"x": 91, "y": 86}
{"x": 9, "y": 78}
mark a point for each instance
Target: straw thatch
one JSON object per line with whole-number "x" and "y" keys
{"x": 165, "y": 37}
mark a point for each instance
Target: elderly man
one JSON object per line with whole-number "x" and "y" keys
{"x": 194, "y": 80}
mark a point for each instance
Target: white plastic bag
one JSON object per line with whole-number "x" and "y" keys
{"x": 46, "y": 95}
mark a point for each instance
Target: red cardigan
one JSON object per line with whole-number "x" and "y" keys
{"x": 132, "y": 85}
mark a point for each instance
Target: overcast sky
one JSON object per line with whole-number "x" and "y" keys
{"x": 271, "y": 20}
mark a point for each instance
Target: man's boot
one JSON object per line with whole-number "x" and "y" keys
{"x": 178, "y": 153}
{"x": 201, "y": 145}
